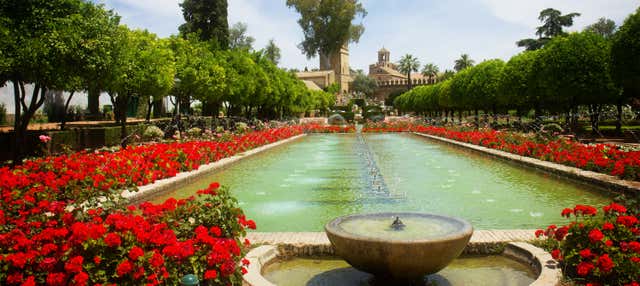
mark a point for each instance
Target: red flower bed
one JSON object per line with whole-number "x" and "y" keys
{"x": 61, "y": 222}
{"x": 320, "y": 128}
{"x": 603, "y": 158}
{"x": 597, "y": 250}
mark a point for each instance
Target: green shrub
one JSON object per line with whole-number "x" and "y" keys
{"x": 242, "y": 127}
{"x": 3, "y": 114}
{"x": 194, "y": 132}
{"x": 153, "y": 133}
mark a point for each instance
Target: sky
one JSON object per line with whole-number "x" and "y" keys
{"x": 434, "y": 31}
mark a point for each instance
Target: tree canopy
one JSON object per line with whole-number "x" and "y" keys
{"x": 207, "y": 19}
{"x": 327, "y": 25}
{"x": 463, "y": 62}
{"x": 272, "y": 52}
{"x": 553, "y": 23}
{"x": 364, "y": 84}
{"x": 626, "y": 56}
{"x": 604, "y": 27}
{"x": 238, "y": 38}
{"x": 408, "y": 64}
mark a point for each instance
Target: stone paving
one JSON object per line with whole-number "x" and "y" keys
{"x": 320, "y": 238}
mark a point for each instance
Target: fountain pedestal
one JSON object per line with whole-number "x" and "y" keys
{"x": 424, "y": 245}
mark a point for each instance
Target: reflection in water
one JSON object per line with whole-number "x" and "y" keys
{"x": 303, "y": 185}
{"x": 478, "y": 271}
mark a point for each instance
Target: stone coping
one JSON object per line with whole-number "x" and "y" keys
{"x": 182, "y": 179}
{"x": 604, "y": 181}
{"x": 482, "y": 242}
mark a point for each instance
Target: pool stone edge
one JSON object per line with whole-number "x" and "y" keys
{"x": 182, "y": 179}
{"x": 540, "y": 261}
{"x": 601, "y": 180}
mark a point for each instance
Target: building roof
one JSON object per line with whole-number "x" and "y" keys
{"x": 313, "y": 73}
{"x": 311, "y": 85}
{"x": 383, "y": 50}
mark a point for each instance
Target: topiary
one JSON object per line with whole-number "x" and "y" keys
{"x": 153, "y": 133}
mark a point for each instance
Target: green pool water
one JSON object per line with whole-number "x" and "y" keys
{"x": 303, "y": 185}
{"x": 492, "y": 270}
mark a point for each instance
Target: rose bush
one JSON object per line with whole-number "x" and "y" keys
{"x": 597, "y": 250}
{"x": 63, "y": 222}
{"x": 152, "y": 245}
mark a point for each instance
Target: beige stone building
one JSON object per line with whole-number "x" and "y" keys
{"x": 389, "y": 78}
{"x": 333, "y": 69}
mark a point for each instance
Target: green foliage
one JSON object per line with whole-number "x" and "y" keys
{"x": 430, "y": 70}
{"x": 364, "y": 84}
{"x": 238, "y": 38}
{"x": 626, "y": 56}
{"x": 3, "y": 114}
{"x": 517, "y": 89}
{"x": 604, "y": 27}
{"x": 272, "y": 52}
{"x": 553, "y": 23}
{"x": 207, "y": 19}
{"x": 153, "y": 133}
{"x": 408, "y": 64}
{"x": 327, "y": 25}
{"x": 463, "y": 62}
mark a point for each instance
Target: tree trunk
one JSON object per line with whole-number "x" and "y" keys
{"x": 159, "y": 108}
{"x": 149, "y": 106}
{"x": 477, "y": 119}
{"x": 63, "y": 122}
{"x": 122, "y": 102}
{"x": 94, "y": 103}
{"x": 619, "y": 117}
{"x": 21, "y": 121}
{"x": 17, "y": 134}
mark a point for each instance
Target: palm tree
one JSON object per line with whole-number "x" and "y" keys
{"x": 430, "y": 70}
{"x": 463, "y": 62}
{"x": 407, "y": 65}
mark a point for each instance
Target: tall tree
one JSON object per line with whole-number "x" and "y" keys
{"x": 47, "y": 47}
{"x": 145, "y": 68}
{"x": 328, "y": 25}
{"x": 272, "y": 52}
{"x": 206, "y": 18}
{"x": 447, "y": 74}
{"x": 625, "y": 53}
{"x": 238, "y": 38}
{"x": 604, "y": 27}
{"x": 463, "y": 62}
{"x": 408, "y": 64}
{"x": 553, "y": 23}
{"x": 430, "y": 70}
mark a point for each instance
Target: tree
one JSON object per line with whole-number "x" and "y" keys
{"x": 430, "y": 70}
{"x": 575, "y": 70}
{"x": 552, "y": 25}
{"x": 145, "y": 68}
{"x": 625, "y": 54}
{"x": 207, "y": 19}
{"x": 408, "y": 64}
{"x": 447, "y": 74}
{"x": 517, "y": 86}
{"x": 463, "y": 62}
{"x": 327, "y": 25}
{"x": 604, "y": 27}
{"x": 364, "y": 84}
{"x": 272, "y": 52}
{"x": 46, "y": 46}
{"x": 484, "y": 85}
{"x": 238, "y": 38}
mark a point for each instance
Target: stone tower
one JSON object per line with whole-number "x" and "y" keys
{"x": 383, "y": 56}
{"x": 338, "y": 62}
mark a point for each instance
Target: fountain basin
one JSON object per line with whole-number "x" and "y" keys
{"x": 427, "y": 244}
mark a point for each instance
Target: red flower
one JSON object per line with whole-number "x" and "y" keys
{"x": 628, "y": 221}
{"x": 586, "y": 253}
{"x": 615, "y": 207}
{"x": 112, "y": 240}
{"x": 585, "y": 210}
{"x": 97, "y": 260}
{"x": 156, "y": 260}
{"x": 595, "y": 235}
{"x": 605, "y": 263}
{"x": 607, "y": 226}
{"x": 30, "y": 281}
{"x": 210, "y": 274}
{"x": 539, "y": 232}
{"x": 56, "y": 279}
{"x": 81, "y": 279}
{"x": 74, "y": 265}
{"x": 135, "y": 253}
{"x": 584, "y": 268}
{"x": 566, "y": 212}
{"x": 561, "y": 233}
{"x": 124, "y": 268}
{"x": 556, "y": 254}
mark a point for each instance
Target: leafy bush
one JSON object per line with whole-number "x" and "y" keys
{"x": 3, "y": 114}
{"x": 601, "y": 250}
{"x": 242, "y": 127}
{"x": 194, "y": 132}
{"x": 153, "y": 133}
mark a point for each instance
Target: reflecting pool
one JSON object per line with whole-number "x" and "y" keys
{"x": 303, "y": 185}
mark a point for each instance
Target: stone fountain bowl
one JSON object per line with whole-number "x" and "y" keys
{"x": 425, "y": 249}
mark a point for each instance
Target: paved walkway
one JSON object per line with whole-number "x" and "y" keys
{"x": 319, "y": 238}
